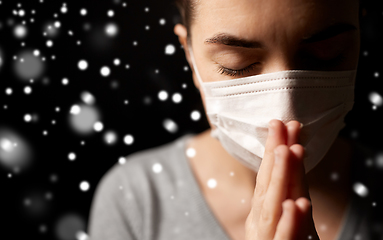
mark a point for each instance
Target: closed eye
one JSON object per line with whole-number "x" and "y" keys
{"x": 235, "y": 72}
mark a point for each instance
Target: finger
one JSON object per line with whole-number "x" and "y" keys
{"x": 298, "y": 184}
{"x": 286, "y": 229}
{"x": 276, "y": 193}
{"x": 276, "y": 136}
{"x": 307, "y": 226}
{"x": 293, "y": 130}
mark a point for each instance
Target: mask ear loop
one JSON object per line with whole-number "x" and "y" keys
{"x": 214, "y": 132}
{"x": 195, "y": 66}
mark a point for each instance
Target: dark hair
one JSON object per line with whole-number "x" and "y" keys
{"x": 186, "y": 9}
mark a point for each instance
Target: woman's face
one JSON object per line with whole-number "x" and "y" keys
{"x": 239, "y": 38}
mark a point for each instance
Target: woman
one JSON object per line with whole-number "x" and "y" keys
{"x": 220, "y": 184}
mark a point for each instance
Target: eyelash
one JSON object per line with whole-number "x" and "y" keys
{"x": 232, "y": 72}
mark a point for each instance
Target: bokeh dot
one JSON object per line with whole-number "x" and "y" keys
{"x": 84, "y": 186}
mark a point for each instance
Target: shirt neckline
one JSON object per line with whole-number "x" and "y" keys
{"x": 213, "y": 223}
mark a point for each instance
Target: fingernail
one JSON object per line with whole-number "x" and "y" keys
{"x": 276, "y": 156}
{"x": 301, "y": 125}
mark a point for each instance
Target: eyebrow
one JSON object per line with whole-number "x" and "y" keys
{"x": 234, "y": 41}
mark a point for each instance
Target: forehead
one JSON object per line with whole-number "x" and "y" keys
{"x": 271, "y": 19}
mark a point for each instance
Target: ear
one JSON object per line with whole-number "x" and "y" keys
{"x": 181, "y": 32}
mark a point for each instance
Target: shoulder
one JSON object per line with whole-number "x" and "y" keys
{"x": 145, "y": 171}
{"x": 130, "y": 189}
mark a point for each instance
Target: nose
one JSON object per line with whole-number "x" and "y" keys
{"x": 280, "y": 61}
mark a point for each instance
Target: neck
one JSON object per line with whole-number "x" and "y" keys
{"x": 333, "y": 168}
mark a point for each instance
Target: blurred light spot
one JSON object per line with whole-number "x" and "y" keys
{"x": 20, "y": 31}
{"x": 376, "y": 98}
{"x": 122, "y": 160}
{"x": 110, "y": 13}
{"x": 105, "y": 71}
{"x": 354, "y": 134}
{"x": 6, "y": 145}
{"x": 36, "y": 53}
{"x": 190, "y": 152}
{"x": 72, "y": 156}
{"x": 15, "y": 152}
{"x": 211, "y": 183}
{"x": 111, "y": 29}
{"x": 65, "y": 81}
{"x": 128, "y": 139}
{"x": 83, "y": 12}
{"x": 49, "y": 30}
{"x": 75, "y": 109}
{"x": 98, "y": 126}
{"x": 146, "y": 9}
{"x": 162, "y": 21}
{"x": 57, "y": 24}
{"x": 163, "y": 95}
{"x": 231, "y": 173}
{"x": 21, "y": 13}
{"x": 134, "y": 43}
{"x": 30, "y": 67}
{"x": 379, "y": 160}
{"x": 48, "y": 196}
{"x": 369, "y": 162}
{"x": 64, "y": 9}
{"x": 117, "y": 61}
{"x": 27, "y": 90}
{"x": 84, "y": 119}
{"x": 157, "y": 168}
{"x": 80, "y": 235}
{"x": 84, "y": 186}
{"x": 376, "y": 74}
{"x": 87, "y": 98}
{"x": 195, "y": 115}
{"x": 177, "y": 98}
{"x": 68, "y": 226}
{"x": 35, "y": 204}
{"x": 360, "y": 189}
{"x": 186, "y": 68}
{"x": 49, "y": 43}
{"x": 334, "y": 176}
{"x": 53, "y": 178}
{"x": 170, "y": 49}
{"x": 147, "y": 100}
{"x": 110, "y": 137}
{"x": 147, "y": 27}
{"x": 170, "y": 125}
{"x": 8, "y": 91}
{"x": 42, "y": 228}
{"x": 82, "y": 64}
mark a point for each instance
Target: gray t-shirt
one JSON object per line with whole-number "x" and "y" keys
{"x": 154, "y": 195}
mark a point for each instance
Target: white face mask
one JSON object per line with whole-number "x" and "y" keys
{"x": 241, "y": 109}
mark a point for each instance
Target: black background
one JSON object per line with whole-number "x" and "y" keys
{"x": 142, "y": 117}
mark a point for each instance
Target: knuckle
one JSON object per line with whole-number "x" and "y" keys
{"x": 266, "y": 217}
{"x": 260, "y": 190}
